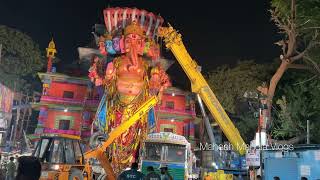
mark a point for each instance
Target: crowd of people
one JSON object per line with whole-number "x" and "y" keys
{"x": 29, "y": 168}
{"x": 134, "y": 174}
{"x": 21, "y": 168}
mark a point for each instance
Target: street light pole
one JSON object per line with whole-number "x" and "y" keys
{"x": 308, "y": 132}
{"x": 260, "y": 141}
{"x": 262, "y": 127}
{"x": 259, "y": 98}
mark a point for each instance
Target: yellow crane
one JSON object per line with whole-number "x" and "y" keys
{"x": 199, "y": 85}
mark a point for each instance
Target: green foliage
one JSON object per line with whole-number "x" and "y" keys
{"x": 230, "y": 84}
{"x": 307, "y": 15}
{"x": 304, "y": 26}
{"x": 21, "y": 57}
{"x": 282, "y": 8}
{"x": 247, "y": 125}
{"x": 299, "y": 103}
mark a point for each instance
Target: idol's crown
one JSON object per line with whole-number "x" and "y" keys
{"x": 133, "y": 28}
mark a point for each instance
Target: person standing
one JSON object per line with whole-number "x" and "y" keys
{"x": 152, "y": 175}
{"x": 29, "y": 168}
{"x": 1, "y": 168}
{"x": 16, "y": 164}
{"x": 165, "y": 175}
{"x": 133, "y": 173}
{"x": 206, "y": 176}
{"x": 11, "y": 168}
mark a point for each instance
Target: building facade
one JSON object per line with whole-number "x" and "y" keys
{"x": 176, "y": 113}
{"x": 67, "y": 104}
{"x": 64, "y": 106}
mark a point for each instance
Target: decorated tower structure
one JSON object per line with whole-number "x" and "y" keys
{"x": 51, "y": 51}
{"x": 65, "y": 106}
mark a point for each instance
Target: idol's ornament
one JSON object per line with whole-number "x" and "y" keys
{"x": 129, "y": 70}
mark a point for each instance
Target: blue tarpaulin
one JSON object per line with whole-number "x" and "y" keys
{"x": 151, "y": 119}
{"x": 101, "y": 115}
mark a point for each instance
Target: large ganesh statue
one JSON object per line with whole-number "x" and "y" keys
{"x": 132, "y": 71}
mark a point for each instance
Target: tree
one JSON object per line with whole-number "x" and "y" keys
{"x": 299, "y": 102}
{"x": 230, "y": 84}
{"x": 20, "y": 58}
{"x": 299, "y": 23}
{"x": 247, "y": 124}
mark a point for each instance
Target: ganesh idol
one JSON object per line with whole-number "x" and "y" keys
{"x": 130, "y": 79}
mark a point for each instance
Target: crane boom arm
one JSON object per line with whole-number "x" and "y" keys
{"x": 173, "y": 41}
{"x": 99, "y": 152}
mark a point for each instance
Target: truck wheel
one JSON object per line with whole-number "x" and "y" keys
{"x": 75, "y": 174}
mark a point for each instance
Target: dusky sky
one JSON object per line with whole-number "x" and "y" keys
{"x": 214, "y": 32}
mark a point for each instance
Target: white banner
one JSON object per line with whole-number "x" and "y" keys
{"x": 253, "y": 158}
{"x": 305, "y": 170}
